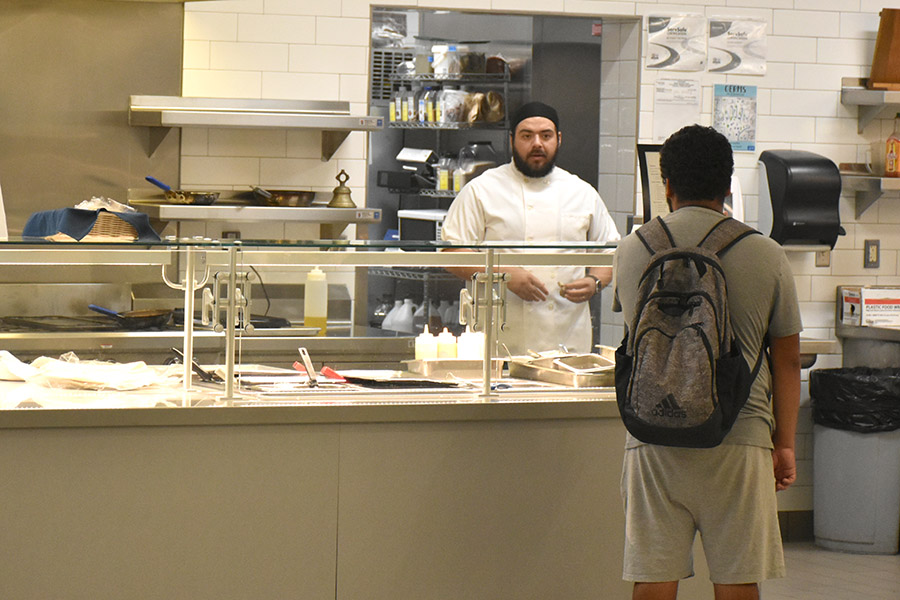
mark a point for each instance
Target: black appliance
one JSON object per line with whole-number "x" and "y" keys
{"x": 799, "y": 194}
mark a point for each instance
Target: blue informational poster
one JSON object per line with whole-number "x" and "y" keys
{"x": 734, "y": 115}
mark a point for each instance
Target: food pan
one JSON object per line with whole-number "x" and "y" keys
{"x": 573, "y": 370}
{"x": 450, "y": 368}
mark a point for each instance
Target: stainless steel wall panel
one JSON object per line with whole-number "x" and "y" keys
{"x": 69, "y": 68}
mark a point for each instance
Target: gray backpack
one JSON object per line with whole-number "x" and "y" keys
{"x": 681, "y": 379}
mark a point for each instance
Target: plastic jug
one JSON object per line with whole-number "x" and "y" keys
{"x": 389, "y": 318}
{"x": 403, "y": 320}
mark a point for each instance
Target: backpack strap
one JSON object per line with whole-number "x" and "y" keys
{"x": 725, "y": 234}
{"x": 655, "y": 236}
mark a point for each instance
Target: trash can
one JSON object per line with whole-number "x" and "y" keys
{"x": 856, "y": 459}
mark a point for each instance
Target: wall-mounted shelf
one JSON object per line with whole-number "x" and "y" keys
{"x": 872, "y": 104}
{"x": 333, "y": 119}
{"x": 868, "y": 188}
{"x": 225, "y": 212}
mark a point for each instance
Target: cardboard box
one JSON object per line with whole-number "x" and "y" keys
{"x": 880, "y": 307}
{"x": 870, "y": 306}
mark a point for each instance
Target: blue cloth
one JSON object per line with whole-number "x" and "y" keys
{"x": 77, "y": 223}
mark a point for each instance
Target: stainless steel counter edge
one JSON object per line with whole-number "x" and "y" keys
{"x": 599, "y": 406}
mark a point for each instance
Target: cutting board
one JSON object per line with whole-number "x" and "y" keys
{"x": 885, "y": 74}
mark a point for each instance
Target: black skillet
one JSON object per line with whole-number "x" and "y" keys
{"x": 136, "y": 319}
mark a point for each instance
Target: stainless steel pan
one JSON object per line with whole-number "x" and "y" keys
{"x": 282, "y": 197}
{"x": 183, "y": 196}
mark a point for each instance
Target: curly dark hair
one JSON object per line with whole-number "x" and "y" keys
{"x": 697, "y": 163}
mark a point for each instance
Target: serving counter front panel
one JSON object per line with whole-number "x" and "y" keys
{"x": 394, "y": 509}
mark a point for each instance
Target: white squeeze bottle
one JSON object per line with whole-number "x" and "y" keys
{"x": 446, "y": 344}
{"x": 315, "y": 300}
{"x": 470, "y": 345}
{"x": 426, "y": 345}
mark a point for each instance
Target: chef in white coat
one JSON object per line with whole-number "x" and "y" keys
{"x": 530, "y": 199}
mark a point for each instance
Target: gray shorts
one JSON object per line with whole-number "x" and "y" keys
{"x": 726, "y": 493}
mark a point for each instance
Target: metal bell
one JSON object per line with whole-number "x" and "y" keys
{"x": 341, "y": 195}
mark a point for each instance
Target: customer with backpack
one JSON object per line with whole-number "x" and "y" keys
{"x": 711, "y": 421}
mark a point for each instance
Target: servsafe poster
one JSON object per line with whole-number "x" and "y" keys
{"x": 676, "y": 43}
{"x": 737, "y": 46}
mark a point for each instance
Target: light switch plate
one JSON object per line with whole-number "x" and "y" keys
{"x": 871, "y": 254}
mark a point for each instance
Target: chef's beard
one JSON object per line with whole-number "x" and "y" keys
{"x": 527, "y": 171}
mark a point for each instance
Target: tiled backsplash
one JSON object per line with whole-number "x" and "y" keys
{"x": 309, "y": 49}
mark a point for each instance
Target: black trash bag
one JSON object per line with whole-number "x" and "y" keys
{"x": 856, "y": 399}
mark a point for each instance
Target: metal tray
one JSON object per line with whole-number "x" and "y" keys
{"x": 450, "y": 368}
{"x": 572, "y": 370}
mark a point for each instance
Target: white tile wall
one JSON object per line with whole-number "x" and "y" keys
{"x": 236, "y": 48}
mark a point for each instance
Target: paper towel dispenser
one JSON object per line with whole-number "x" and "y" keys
{"x": 799, "y": 195}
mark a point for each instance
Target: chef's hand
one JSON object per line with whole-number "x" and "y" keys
{"x": 526, "y": 285}
{"x": 785, "y": 465}
{"x": 580, "y": 290}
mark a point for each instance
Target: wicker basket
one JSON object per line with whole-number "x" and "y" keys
{"x": 107, "y": 228}
{"x": 108, "y": 225}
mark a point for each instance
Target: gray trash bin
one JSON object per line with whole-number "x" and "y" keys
{"x": 856, "y": 459}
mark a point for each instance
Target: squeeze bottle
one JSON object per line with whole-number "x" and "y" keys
{"x": 446, "y": 344}
{"x": 470, "y": 345}
{"x": 426, "y": 345}
{"x": 315, "y": 300}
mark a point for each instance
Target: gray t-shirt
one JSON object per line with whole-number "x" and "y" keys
{"x": 761, "y": 297}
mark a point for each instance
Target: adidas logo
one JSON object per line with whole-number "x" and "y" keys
{"x": 669, "y": 408}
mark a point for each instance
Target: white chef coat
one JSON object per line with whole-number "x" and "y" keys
{"x": 502, "y": 204}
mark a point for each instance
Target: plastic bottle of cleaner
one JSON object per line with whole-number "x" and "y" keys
{"x": 446, "y": 344}
{"x": 892, "y": 151}
{"x": 403, "y": 321}
{"x": 391, "y": 316}
{"x": 426, "y": 345}
{"x": 315, "y": 300}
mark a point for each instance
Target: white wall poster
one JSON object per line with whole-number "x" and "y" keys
{"x": 676, "y": 43}
{"x": 737, "y": 46}
{"x": 734, "y": 115}
{"x": 676, "y": 103}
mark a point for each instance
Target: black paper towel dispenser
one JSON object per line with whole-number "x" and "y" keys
{"x": 799, "y": 195}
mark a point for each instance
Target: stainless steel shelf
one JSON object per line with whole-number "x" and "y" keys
{"x": 333, "y": 119}
{"x": 430, "y": 274}
{"x": 294, "y": 214}
{"x": 452, "y": 78}
{"x": 868, "y": 188}
{"x": 872, "y": 104}
{"x": 437, "y": 193}
{"x": 441, "y": 126}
